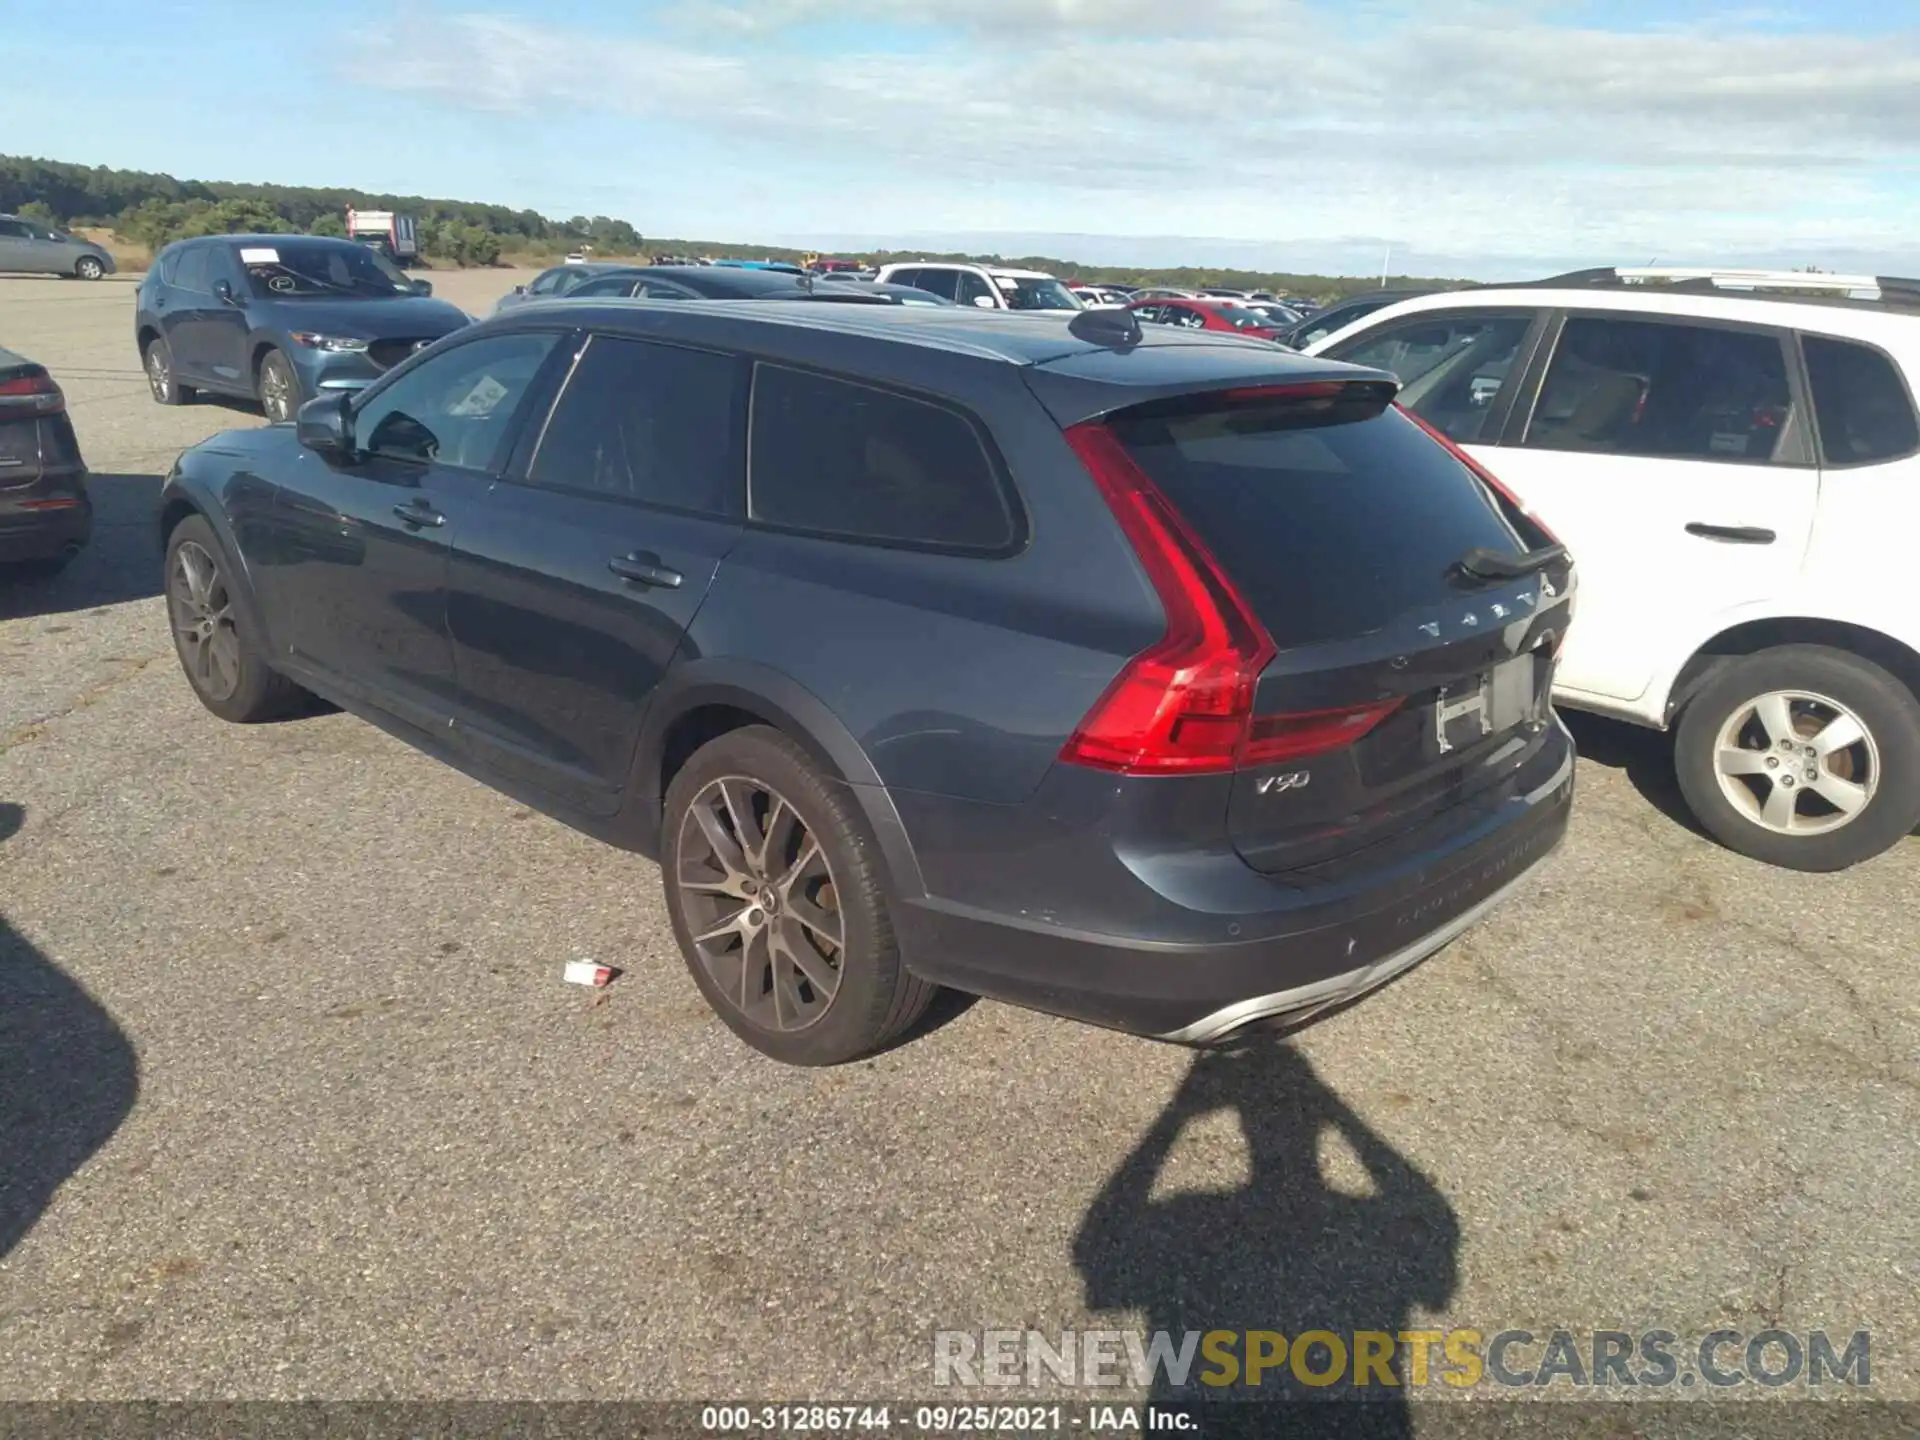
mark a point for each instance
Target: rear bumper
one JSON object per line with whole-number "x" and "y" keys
{"x": 1311, "y": 948}
{"x": 43, "y": 534}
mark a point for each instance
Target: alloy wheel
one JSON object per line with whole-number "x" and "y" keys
{"x": 1796, "y": 763}
{"x": 159, "y": 374}
{"x": 276, "y": 391}
{"x": 201, "y": 608}
{"x": 760, "y": 903}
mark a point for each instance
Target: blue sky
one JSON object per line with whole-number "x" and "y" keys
{"x": 1478, "y": 136}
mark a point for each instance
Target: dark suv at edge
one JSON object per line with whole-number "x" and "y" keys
{"x": 279, "y": 318}
{"x": 1170, "y": 682}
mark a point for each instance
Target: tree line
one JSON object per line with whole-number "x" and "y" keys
{"x": 152, "y": 210}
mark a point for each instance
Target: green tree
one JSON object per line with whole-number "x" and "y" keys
{"x": 329, "y": 224}
{"x": 38, "y": 210}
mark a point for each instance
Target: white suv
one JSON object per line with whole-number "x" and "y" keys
{"x": 1733, "y": 457}
{"x": 991, "y": 287}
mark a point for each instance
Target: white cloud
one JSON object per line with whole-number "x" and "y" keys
{"x": 1471, "y": 128}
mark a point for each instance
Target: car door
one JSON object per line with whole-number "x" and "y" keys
{"x": 184, "y": 317}
{"x": 1674, "y": 458}
{"x": 572, "y": 586}
{"x": 220, "y": 325}
{"x": 355, "y": 579}
{"x": 972, "y": 289}
{"x": 42, "y": 252}
{"x": 14, "y": 252}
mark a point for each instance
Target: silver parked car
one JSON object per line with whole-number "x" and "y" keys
{"x": 27, "y": 245}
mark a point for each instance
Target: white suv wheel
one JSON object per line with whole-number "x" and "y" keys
{"x": 1797, "y": 763}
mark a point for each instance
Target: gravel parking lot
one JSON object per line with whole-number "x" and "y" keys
{"x": 293, "y": 1101}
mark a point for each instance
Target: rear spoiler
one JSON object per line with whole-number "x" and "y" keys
{"x": 1093, "y": 383}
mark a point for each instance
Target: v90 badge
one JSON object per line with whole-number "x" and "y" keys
{"x": 1280, "y": 784}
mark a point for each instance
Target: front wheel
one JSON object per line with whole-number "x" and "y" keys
{"x": 223, "y": 661}
{"x": 1802, "y": 756}
{"x": 773, "y": 887}
{"x": 279, "y": 387}
{"x": 166, "y": 386}
{"x": 88, "y": 267}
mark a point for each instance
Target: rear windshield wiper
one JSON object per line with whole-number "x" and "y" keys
{"x": 1484, "y": 564}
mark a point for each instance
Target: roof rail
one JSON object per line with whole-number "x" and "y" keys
{"x": 1884, "y": 288}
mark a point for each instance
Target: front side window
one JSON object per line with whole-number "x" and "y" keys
{"x": 455, "y": 408}
{"x": 649, "y": 423}
{"x": 1659, "y": 388}
{"x": 844, "y": 459}
{"x": 1027, "y": 293}
{"x": 301, "y": 268}
{"x": 973, "y": 290}
{"x": 547, "y": 283}
{"x": 1451, "y": 367}
{"x": 663, "y": 290}
{"x": 14, "y": 230}
{"x": 611, "y": 285}
{"x": 1864, "y": 411}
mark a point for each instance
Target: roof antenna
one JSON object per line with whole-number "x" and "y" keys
{"x": 1110, "y": 327}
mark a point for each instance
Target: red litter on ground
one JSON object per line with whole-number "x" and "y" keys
{"x": 588, "y": 972}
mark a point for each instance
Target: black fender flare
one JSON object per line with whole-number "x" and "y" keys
{"x": 786, "y": 704}
{"x": 183, "y": 494}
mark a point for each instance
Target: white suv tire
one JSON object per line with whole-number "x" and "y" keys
{"x": 1802, "y": 756}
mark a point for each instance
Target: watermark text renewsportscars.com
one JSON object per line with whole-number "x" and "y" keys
{"x": 1459, "y": 1359}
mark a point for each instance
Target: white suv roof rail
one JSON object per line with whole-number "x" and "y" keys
{"x": 1766, "y": 284}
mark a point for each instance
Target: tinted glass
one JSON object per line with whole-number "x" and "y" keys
{"x": 663, "y": 290}
{"x": 454, "y": 409}
{"x": 1027, "y": 294}
{"x": 190, "y": 268}
{"x": 1329, "y": 531}
{"x": 1864, "y": 411}
{"x": 1655, "y": 388}
{"x": 646, "y": 422}
{"x": 616, "y": 285}
{"x": 302, "y": 268}
{"x": 1336, "y": 320}
{"x": 846, "y": 459}
{"x": 1451, "y": 368}
{"x": 13, "y": 229}
{"x": 546, "y": 282}
{"x": 973, "y": 288}
{"x": 934, "y": 282}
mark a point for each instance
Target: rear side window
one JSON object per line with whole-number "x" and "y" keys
{"x": 847, "y": 460}
{"x": 190, "y": 268}
{"x": 1863, "y": 409}
{"x": 1329, "y": 531}
{"x": 934, "y": 282}
{"x": 649, "y": 423}
{"x": 1655, "y": 388}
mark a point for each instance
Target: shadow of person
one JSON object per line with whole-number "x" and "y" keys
{"x": 1287, "y": 1252}
{"x": 68, "y": 1077}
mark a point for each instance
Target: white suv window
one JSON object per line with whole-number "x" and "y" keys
{"x": 1451, "y": 367}
{"x": 1863, "y": 409}
{"x": 1658, "y": 388}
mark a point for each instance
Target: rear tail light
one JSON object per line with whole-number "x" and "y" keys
{"x": 31, "y": 394}
{"x": 1485, "y": 476}
{"x": 1184, "y": 706}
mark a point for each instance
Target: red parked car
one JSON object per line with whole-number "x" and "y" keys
{"x": 1206, "y": 313}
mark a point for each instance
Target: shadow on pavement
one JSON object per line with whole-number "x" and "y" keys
{"x": 68, "y": 1076}
{"x": 1644, "y": 756}
{"x": 1287, "y": 1253}
{"x": 121, "y": 562}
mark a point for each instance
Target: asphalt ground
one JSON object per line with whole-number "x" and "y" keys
{"x": 294, "y": 1103}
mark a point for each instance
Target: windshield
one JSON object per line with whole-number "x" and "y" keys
{"x": 293, "y": 269}
{"x": 1030, "y": 294}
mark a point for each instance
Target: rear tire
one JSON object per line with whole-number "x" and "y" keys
{"x": 88, "y": 267}
{"x": 1760, "y": 757}
{"x": 741, "y": 911}
{"x": 222, "y": 659}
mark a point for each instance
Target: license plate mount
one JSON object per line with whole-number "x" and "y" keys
{"x": 1498, "y": 700}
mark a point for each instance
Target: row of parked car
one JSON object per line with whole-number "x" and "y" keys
{"x": 833, "y": 604}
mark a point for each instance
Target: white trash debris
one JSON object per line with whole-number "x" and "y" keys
{"x": 589, "y": 972}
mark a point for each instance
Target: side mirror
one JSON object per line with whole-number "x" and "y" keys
{"x": 325, "y": 427}
{"x": 223, "y": 292}
{"x": 985, "y": 302}
{"x": 423, "y": 287}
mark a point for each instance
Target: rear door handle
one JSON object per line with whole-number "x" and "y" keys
{"x": 644, "y": 568}
{"x": 1732, "y": 534}
{"x": 418, "y": 512}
